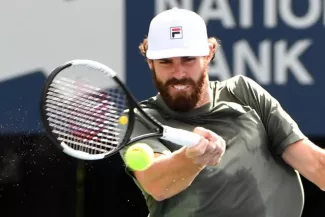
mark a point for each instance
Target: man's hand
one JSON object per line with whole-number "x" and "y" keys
{"x": 210, "y": 149}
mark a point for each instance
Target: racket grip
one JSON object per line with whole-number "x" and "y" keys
{"x": 180, "y": 137}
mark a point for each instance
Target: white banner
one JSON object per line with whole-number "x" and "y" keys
{"x": 39, "y": 35}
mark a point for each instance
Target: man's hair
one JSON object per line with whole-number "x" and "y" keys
{"x": 143, "y": 47}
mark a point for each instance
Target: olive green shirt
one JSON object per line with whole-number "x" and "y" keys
{"x": 251, "y": 180}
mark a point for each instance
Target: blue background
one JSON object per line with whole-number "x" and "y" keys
{"x": 19, "y": 110}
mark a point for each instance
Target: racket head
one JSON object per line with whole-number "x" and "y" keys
{"x": 86, "y": 110}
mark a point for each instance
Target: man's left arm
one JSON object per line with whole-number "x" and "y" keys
{"x": 286, "y": 139}
{"x": 308, "y": 159}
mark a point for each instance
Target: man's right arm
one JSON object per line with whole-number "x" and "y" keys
{"x": 173, "y": 172}
{"x": 168, "y": 175}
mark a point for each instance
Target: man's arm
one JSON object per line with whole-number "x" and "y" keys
{"x": 172, "y": 172}
{"x": 281, "y": 129}
{"x": 168, "y": 175}
{"x": 287, "y": 141}
{"x": 308, "y": 159}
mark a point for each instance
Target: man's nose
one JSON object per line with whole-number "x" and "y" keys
{"x": 178, "y": 71}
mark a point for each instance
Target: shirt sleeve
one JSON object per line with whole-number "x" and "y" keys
{"x": 140, "y": 128}
{"x": 282, "y": 130}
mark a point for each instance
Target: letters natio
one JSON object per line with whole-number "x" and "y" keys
{"x": 272, "y": 60}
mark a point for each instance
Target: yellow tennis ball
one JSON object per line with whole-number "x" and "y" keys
{"x": 139, "y": 156}
{"x": 123, "y": 120}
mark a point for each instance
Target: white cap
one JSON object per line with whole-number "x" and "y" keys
{"x": 175, "y": 33}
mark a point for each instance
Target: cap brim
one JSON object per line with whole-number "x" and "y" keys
{"x": 177, "y": 52}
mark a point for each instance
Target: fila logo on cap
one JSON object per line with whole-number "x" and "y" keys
{"x": 176, "y": 32}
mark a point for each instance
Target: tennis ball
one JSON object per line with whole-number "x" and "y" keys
{"x": 139, "y": 156}
{"x": 123, "y": 120}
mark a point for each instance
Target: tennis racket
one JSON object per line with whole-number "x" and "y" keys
{"x": 90, "y": 114}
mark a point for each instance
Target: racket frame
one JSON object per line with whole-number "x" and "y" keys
{"x": 157, "y": 128}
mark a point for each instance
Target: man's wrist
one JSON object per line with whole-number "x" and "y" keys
{"x": 189, "y": 161}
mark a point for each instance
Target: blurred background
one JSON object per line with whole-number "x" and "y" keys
{"x": 278, "y": 43}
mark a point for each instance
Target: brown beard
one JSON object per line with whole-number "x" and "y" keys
{"x": 182, "y": 102}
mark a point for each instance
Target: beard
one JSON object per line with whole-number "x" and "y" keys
{"x": 184, "y": 101}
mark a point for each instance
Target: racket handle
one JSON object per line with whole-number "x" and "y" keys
{"x": 180, "y": 137}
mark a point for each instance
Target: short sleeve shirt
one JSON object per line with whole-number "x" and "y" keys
{"x": 251, "y": 179}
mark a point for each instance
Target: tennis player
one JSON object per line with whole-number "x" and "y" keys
{"x": 251, "y": 152}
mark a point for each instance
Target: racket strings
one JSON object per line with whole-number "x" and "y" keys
{"x": 90, "y": 90}
{"x": 85, "y": 117}
{"x": 83, "y": 111}
{"x": 93, "y": 112}
{"x": 89, "y": 99}
{"x": 84, "y": 130}
{"x": 84, "y": 97}
{"x": 92, "y": 123}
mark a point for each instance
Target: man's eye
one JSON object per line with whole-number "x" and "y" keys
{"x": 189, "y": 59}
{"x": 163, "y": 62}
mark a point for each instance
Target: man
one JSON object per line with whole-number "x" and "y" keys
{"x": 251, "y": 151}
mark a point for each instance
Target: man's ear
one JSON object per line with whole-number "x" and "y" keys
{"x": 150, "y": 64}
{"x": 212, "y": 48}
{"x": 212, "y": 51}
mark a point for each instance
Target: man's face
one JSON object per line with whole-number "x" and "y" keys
{"x": 180, "y": 80}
